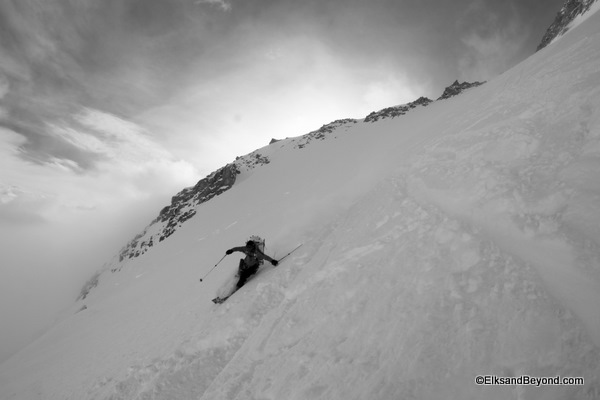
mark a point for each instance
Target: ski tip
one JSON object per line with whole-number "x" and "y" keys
{"x": 219, "y": 300}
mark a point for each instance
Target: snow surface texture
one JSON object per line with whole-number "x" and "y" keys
{"x": 459, "y": 239}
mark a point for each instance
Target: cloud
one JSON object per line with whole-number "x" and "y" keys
{"x": 18, "y": 207}
{"x": 9, "y": 143}
{"x": 4, "y": 85}
{"x": 123, "y": 141}
{"x": 80, "y": 140}
{"x": 30, "y": 191}
{"x": 7, "y": 194}
{"x": 59, "y": 222}
{"x": 107, "y": 123}
{"x": 222, "y": 4}
{"x": 130, "y": 166}
{"x": 493, "y": 39}
{"x": 389, "y": 87}
{"x": 490, "y": 54}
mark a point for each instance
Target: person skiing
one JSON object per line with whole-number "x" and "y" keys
{"x": 249, "y": 265}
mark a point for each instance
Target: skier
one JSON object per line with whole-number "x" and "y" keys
{"x": 249, "y": 265}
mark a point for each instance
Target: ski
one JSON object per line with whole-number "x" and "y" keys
{"x": 220, "y": 300}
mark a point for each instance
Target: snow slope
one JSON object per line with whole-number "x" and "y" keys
{"x": 457, "y": 240}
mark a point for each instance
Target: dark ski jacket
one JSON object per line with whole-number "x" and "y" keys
{"x": 252, "y": 256}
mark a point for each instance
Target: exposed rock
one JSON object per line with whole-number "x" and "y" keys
{"x": 569, "y": 11}
{"x": 322, "y": 132}
{"x": 250, "y": 161}
{"x": 82, "y": 308}
{"x": 183, "y": 205}
{"x": 457, "y": 88}
{"x": 395, "y": 111}
{"x": 89, "y": 285}
{"x": 182, "y": 208}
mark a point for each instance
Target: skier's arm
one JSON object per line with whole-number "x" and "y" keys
{"x": 263, "y": 256}
{"x": 241, "y": 248}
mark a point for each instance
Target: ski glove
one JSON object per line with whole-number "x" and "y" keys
{"x": 228, "y": 252}
{"x": 275, "y": 262}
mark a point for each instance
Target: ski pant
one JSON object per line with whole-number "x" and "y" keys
{"x": 245, "y": 272}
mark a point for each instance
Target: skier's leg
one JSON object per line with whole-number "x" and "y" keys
{"x": 243, "y": 278}
{"x": 245, "y": 272}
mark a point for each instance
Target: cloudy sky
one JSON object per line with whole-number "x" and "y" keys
{"x": 108, "y": 108}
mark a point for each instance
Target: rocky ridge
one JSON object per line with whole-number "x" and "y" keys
{"x": 395, "y": 111}
{"x": 457, "y": 88}
{"x": 569, "y": 11}
{"x": 183, "y": 204}
{"x": 324, "y": 131}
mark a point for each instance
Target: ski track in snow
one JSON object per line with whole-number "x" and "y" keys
{"x": 508, "y": 181}
{"x": 460, "y": 307}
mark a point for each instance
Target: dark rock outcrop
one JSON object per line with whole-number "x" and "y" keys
{"x": 569, "y": 11}
{"x": 183, "y": 205}
{"x": 395, "y": 111}
{"x": 322, "y": 132}
{"x": 457, "y": 88}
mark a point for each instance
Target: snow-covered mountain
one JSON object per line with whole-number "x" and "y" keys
{"x": 183, "y": 205}
{"x": 442, "y": 240}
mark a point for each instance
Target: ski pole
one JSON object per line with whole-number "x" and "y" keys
{"x": 204, "y": 277}
{"x": 278, "y": 261}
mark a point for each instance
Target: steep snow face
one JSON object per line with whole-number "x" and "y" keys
{"x": 183, "y": 205}
{"x": 457, "y": 240}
